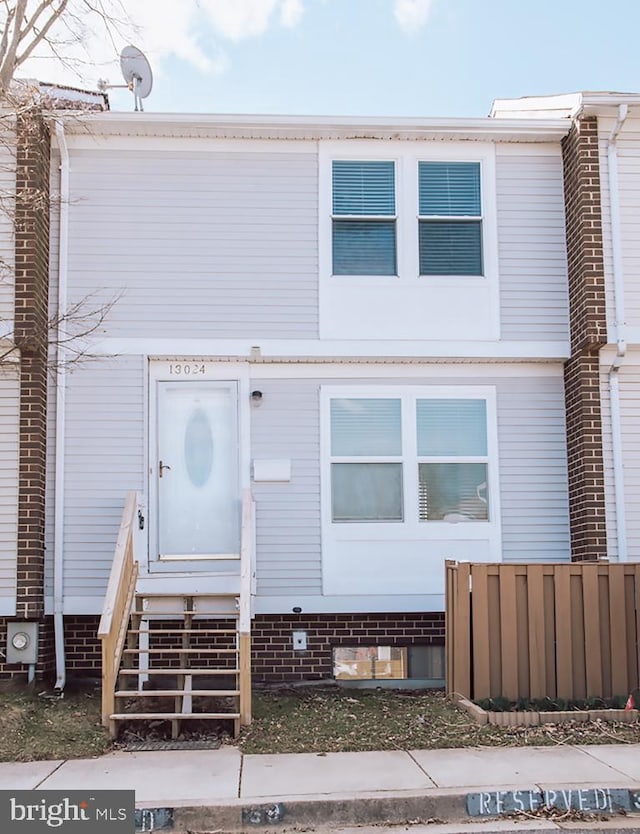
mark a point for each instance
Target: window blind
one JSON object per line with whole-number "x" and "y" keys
{"x": 450, "y": 189}
{"x": 447, "y": 246}
{"x": 364, "y": 187}
{"x": 450, "y": 247}
{"x": 366, "y": 427}
{"x": 452, "y": 428}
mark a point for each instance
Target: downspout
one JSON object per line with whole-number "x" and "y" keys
{"x": 620, "y": 326}
{"x": 61, "y": 396}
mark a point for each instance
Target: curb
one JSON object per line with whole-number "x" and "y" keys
{"x": 284, "y": 814}
{"x": 434, "y": 809}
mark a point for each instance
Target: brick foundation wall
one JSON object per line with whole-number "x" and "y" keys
{"x": 83, "y": 650}
{"x": 273, "y": 658}
{"x": 588, "y": 330}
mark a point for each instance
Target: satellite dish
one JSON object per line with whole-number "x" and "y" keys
{"x": 137, "y": 73}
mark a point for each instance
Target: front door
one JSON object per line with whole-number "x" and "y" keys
{"x": 196, "y": 473}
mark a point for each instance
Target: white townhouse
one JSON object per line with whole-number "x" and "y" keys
{"x": 334, "y": 359}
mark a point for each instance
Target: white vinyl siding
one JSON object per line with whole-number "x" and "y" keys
{"x": 531, "y": 243}
{"x": 533, "y": 470}
{"x": 194, "y": 244}
{"x": 287, "y": 426}
{"x": 9, "y": 439}
{"x": 628, "y": 158}
{"x": 629, "y": 388}
{"x": 105, "y": 446}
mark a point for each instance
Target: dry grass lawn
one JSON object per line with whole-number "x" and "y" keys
{"x": 34, "y": 726}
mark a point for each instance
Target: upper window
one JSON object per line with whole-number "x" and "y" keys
{"x": 450, "y": 218}
{"x": 364, "y": 218}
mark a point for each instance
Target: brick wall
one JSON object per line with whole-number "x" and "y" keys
{"x": 587, "y": 316}
{"x": 31, "y": 325}
{"x": 83, "y": 651}
{"x": 273, "y": 658}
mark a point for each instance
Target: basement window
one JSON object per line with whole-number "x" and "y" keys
{"x": 361, "y": 663}
{"x": 424, "y": 664}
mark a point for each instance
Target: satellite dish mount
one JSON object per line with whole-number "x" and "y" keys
{"x": 136, "y": 71}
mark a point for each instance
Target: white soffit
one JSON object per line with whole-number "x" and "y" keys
{"x": 315, "y": 128}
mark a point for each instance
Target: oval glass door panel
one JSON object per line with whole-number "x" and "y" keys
{"x": 198, "y": 447}
{"x": 197, "y": 470}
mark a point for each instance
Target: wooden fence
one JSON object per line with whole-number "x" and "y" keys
{"x": 531, "y": 631}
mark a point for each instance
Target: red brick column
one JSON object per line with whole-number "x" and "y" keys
{"x": 31, "y": 320}
{"x": 588, "y": 326}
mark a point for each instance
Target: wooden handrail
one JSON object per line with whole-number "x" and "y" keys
{"x": 117, "y": 605}
{"x": 247, "y": 568}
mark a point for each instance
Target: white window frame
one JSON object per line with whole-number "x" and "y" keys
{"x": 453, "y": 218}
{"x": 406, "y": 156}
{"x": 398, "y": 306}
{"x": 410, "y": 528}
{"x": 372, "y": 217}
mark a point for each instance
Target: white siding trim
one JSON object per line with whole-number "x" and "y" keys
{"x": 329, "y": 348}
{"x": 285, "y": 604}
{"x": 101, "y": 142}
{"x": 390, "y": 603}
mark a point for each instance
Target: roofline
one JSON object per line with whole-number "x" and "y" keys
{"x": 312, "y": 127}
{"x": 567, "y": 105}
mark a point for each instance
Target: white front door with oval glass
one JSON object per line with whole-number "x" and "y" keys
{"x": 196, "y": 472}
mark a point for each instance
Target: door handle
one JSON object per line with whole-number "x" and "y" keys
{"x": 161, "y": 467}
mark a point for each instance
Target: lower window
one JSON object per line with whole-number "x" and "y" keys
{"x": 412, "y": 458}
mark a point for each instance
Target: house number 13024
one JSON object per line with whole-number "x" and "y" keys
{"x": 187, "y": 369}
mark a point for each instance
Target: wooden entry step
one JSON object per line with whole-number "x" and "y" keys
{"x": 161, "y": 630}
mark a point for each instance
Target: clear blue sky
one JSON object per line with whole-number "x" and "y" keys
{"x": 377, "y": 57}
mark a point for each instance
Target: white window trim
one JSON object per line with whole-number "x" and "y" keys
{"x": 406, "y": 157}
{"x": 411, "y": 528}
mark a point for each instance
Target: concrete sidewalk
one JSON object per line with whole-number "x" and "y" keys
{"x": 223, "y": 790}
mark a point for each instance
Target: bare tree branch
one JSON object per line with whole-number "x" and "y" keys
{"x": 31, "y": 27}
{"x": 8, "y": 66}
{"x": 42, "y": 34}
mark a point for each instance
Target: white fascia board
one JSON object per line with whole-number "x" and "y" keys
{"x": 225, "y": 368}
{"x": 314, "y": 127}
{"x": 301, "y": 350}
{"x": 391, "y": 604}
{"x": 609, "y": 353}
{"x": 566, "y": 105}
{"x": 562, "y": 106}
{"x": 77, "y": 605}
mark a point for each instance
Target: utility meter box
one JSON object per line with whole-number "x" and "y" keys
{"x": 22, "y": 642}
